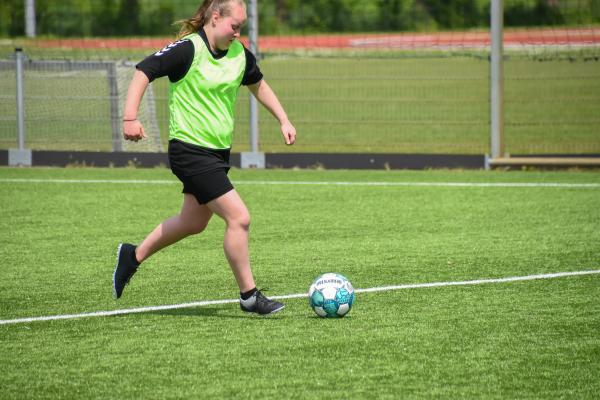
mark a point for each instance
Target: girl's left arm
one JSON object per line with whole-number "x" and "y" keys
{"x": 263, "y": 93}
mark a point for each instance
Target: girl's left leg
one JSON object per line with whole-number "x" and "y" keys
{"x": 232, "y": 209}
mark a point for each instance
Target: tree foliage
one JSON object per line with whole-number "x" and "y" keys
{"x": 156, "y": 17}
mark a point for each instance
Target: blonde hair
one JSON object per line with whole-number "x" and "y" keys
{"x": 202, "y": 15}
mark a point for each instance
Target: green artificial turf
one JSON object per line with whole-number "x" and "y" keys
{"x": 529, "y": 339}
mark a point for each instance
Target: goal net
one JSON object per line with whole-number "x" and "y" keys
{"x": 74, "y": 105}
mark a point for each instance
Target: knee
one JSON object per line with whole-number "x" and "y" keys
{"x": 194, "y": 227}
{"x": 198, "y": 228}
{"x": 240, "y": 221}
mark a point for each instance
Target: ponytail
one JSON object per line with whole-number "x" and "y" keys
{"x": 203, "y": 14}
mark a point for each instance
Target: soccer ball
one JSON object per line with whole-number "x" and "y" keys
{"x": 331, "y": 295}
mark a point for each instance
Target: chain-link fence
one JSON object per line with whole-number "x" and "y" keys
{"x": 373, "y": 83}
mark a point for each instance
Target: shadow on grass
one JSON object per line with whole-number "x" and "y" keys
{"x": 234, "y": 312}
{"x": 199, "y": 312}
{"x": 219, "y": 312}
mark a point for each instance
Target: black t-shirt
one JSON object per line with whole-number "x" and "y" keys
{"x": 175, "y": 59}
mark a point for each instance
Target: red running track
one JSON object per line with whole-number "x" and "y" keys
{"x": 576, "y": 37}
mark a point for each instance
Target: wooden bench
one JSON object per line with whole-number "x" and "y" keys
{"x": 544, "y": 161}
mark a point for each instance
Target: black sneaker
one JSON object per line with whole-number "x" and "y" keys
{"x": 258, "y": 303}
{"x": 125, "y": 268}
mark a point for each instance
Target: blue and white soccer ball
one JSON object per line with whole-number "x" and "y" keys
{"x": 331, "y": 295}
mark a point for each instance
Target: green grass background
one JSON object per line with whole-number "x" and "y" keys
{"x": 536, "y": 339}
{"x": 402, "y": 102}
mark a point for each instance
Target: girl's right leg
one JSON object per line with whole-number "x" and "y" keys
{"x": 192, "y": 219}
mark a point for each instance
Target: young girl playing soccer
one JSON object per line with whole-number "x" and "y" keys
{"x": 206, "y": 67}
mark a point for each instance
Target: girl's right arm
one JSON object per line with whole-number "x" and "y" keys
{"x": 173, "y": 61}
{"x": 132, "y": 128}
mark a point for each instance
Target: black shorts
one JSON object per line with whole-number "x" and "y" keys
{"x": 202, "y": 171}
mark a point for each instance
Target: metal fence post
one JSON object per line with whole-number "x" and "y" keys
{"x": 254, "y": 158}
{"x": 497, "y": 80}
{"x": 21, "y": 155}
{"x": 115, "y": 119}
{"x": 30, "y": 22}
{"x": 20, "y": 99}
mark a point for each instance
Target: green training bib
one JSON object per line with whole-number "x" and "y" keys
{"x": 202, "y": 103}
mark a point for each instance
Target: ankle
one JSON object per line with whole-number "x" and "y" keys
{"x": 248, "y": 294}
{"x": 135, "y": 258}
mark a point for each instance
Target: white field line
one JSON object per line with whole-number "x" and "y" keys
{"x": 297, "y": 295}
{"x": 316, "y": 183}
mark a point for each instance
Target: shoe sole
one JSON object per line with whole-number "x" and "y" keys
{"x": 264, "y": 315}
{"x": 115, "y": 272}
{"x": 276, "y": 310}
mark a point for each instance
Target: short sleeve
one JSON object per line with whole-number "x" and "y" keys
{"x": 252, "y": 72}
{"x": 174, "y": 60}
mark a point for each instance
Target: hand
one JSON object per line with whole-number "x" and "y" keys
{"x": 289, "y": 133}
{"x": 133, "y": 130}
